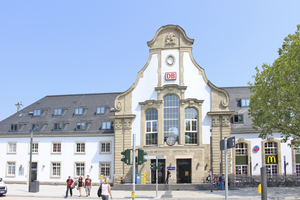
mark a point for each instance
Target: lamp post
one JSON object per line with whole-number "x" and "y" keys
{"x": 30, "y": 160}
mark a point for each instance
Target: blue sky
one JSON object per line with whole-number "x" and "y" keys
{"x": 75, "y": 47}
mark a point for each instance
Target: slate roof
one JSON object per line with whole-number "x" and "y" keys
{"x": 235, "y": 95}
{"x": 68, "y": 103}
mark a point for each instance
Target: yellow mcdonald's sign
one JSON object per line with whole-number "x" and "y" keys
{"x": 271, "y": 159}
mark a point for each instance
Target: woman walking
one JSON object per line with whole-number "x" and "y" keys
{"x": 105, "y": 190}
{"x": 80, "y": 185}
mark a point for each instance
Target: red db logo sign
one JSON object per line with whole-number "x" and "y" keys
{"x": 170, "y": 76}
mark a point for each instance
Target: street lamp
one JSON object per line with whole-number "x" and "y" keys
{"x": 30, "y": 160}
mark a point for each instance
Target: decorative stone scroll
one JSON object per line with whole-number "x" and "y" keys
{"x": 170, "y": 38}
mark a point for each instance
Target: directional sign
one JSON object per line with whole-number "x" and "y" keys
{"x": 171, "y": 168}
{"x": 154, "y": 157}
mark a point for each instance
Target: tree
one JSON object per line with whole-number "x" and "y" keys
{"x": 275, "y": 102}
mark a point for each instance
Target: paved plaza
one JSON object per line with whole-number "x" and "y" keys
{"x": 58, "y": 192}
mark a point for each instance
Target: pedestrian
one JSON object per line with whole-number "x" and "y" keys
{"x": 168, "y": 175}
{"x": 105, "y": 189}
{"x": 88, "y": 185}
{"x": 209, "y": 176}
{"x": 69, "y": 186}
{"x": 80, "y": 185}
{"x": 122, "y": 180}
{"x": 221, "y": 180}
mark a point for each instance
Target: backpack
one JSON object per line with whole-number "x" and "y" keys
{"x": 99, "y": 191}
{"x": 220, "y": 178}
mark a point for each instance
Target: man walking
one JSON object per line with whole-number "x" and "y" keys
{"x": 88, "y": 185}
{"x": 69, "y": 186}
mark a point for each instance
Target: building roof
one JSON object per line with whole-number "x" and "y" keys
{"x": 67, "y": 103}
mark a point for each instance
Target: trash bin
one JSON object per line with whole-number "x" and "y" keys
{"x": 34, "y": 186}
{"x": 138, "y": 178}
{"x": 143, "y": 177}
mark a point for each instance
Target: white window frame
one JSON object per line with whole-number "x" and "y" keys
{"x": 245, "y": 102}
{"x": 57, "y": 168}
{"x": 10, "y": 165}
{"x": 241, "y": 169}
{"x": 82, "y": 169}
{"x": 241, "y": 150}
{"x": 37, "y": 112}
{"x": 14, "y": 127}
{"x": 106, "y": 125}
{"x": 35, "y": 147}
{"x": 273, "y": 149}
{"x": 100, "y": 110}
{"x": 52, "y": 147}
{"x": 271, "y": 168}
{"x": 105, "y": 165}
{"x": 80, "y": 152}
{"x": 80, "y": 126}
{"x": 57, "y": 112}
{"x": 238, "y": 122}
{"x": 105, "y": 143}
{"x": 9, "y": 148}
{"x": 78, "y": 111}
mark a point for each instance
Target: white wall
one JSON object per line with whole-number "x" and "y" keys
{"x": 67, "y": 157}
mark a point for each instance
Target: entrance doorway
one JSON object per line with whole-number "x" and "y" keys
{"x": 183, "y": 170}
{"x": 161, "y": 172}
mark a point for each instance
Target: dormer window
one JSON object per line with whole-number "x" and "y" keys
{"x": 80, "y": 126}
{"x": 238, "y": 118}
{"x": 106, "y": 125}
{"x": 13, "y": 127}
{"x": 57, "y": 111}
{"x": 100, "y": 110}
{"x": 245, "y": 102}
{"x": 58, "y": 126}
{"x": 35, "y": 127}
{"x": 78, "y": 111}
{"x": 37, "y": 113}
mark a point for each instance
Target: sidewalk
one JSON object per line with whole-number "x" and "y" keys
{"x": 53, "y": 191}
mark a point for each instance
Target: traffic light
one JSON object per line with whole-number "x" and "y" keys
{"x": 153, "y": 166}
{"x": 126, "y": 159}
{"x": 159, "y": 166}
{"x": 141, "y": 154}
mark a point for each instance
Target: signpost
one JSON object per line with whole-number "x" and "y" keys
{"x": 224, "y": 145}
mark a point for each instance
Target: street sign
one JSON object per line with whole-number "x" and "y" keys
{"x": 171, "y": 168}
{"x": 154, "y": 157}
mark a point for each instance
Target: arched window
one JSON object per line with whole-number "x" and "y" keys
{"x": 271, "y": 153}
{"x": 191, "y": 135}
{"x": 171, "y": 117}
{"x": 151, "y": 127}
{"x": 241, "y": 158}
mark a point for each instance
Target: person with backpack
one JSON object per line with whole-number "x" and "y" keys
{"x": 105, "y": 189}
{"x": 221, "y": 180}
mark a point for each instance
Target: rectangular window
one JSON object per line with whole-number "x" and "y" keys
{"x": 56, "y": 147}
{"x": 55, "y": 169}
{"x": 80, "y": 126}
{"x": 245, "y": 102}
{"x": 105, "y": 169}
{"x": 238, "y": 118}
{"x": 11, "y": 168}
{"x": 80, "y": 147}
{"x": 100, "y": 110}
{"x": 57, "y": 111}
{"x": 78, "y": 111}
{"x": 12, "y": 148}
{"x": 35, "y": 147}
{"x": 298, "y": 170}
{"x": 79, "y": 169}
{"x": 13, "y": 127}
{"x": 37, "y": 112}
{"x": 105, "y": 147}
{"x": 106, "y": 125}
{"x": 241, "y": 169}
{"x": 35, "y": 127}
{"x": 271, "y": 170}
{"x": 58, "y": 126}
